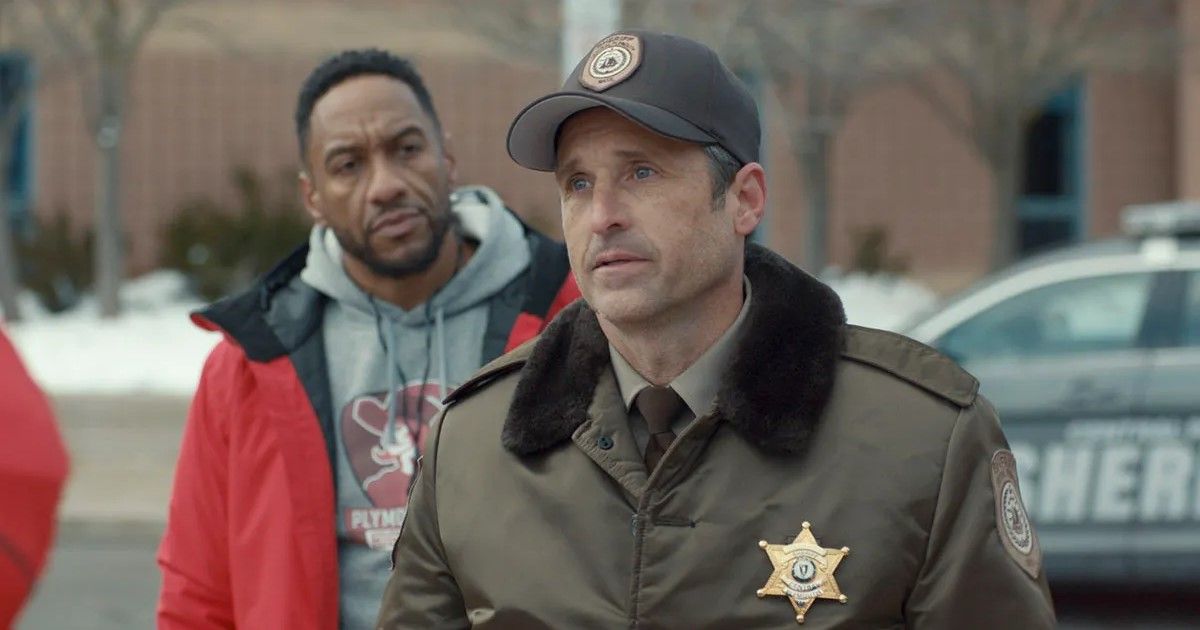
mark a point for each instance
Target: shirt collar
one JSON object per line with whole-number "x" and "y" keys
{"x": 699, "y": 384}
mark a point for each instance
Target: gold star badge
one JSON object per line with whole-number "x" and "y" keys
{"x": 803, "y": 571}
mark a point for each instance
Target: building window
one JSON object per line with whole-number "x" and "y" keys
{"x": 1045, "y": 155}
{"x": 1051, "y": 206}
{"x": 16, "y": 86}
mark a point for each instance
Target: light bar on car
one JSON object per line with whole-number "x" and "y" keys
{"x": 1171, "y": 218}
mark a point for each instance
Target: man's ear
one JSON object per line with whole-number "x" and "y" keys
{"x": 450, "y": 161}
{"x": 748, "y": 194}
{"x": 311, "y": 198}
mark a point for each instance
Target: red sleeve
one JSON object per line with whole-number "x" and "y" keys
{"x": 33, "y": 467}
{"x": 569, "y": 292}
{"x": 527, "y": 326}
{"x": 194, "y": 554}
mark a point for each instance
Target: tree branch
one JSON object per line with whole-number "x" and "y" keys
{"x": 1074, "y": 34}
{"x": 923, "y": 86}
{"x": 152, "y": 11}
{"x": 210, "y": 32}
{"x": 519, "y": 26}
{"x": 63, "y": 34}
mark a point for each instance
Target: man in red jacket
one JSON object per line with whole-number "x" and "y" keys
{"x": 311, "y": 413}
{"x": 33, "y": 467}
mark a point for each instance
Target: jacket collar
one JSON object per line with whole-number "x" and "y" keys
{"x": 271, "y": 318}
{"x": 773, "y": 392}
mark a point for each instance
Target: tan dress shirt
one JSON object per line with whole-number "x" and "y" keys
{"x": 697, "y": 386}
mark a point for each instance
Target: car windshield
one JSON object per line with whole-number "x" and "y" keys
{"x": 1083, "y": 315}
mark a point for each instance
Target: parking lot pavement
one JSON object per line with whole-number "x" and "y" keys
{"x": 123, "y": 451}
{"x": 101, "y": 577}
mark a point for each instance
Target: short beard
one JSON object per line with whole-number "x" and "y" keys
{"x": 438, "y": 226}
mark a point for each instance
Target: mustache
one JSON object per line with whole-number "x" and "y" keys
{"x": 624, "y": 242}
{"x": 388, "y": 211}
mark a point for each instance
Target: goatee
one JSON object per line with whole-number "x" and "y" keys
{"x": 423, "y": 260}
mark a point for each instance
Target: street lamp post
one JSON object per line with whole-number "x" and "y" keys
{"x": 584, "y": 22}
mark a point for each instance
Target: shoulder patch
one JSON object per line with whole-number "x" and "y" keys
{"x": 911, "y": 361}
{"x": 509, "y": 362}
{"x": 1012, "y": 521}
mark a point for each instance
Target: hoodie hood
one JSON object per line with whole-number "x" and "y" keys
{"x": 502, "y": 255}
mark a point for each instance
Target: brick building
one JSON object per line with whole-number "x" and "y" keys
{"x": 199, "y": 107}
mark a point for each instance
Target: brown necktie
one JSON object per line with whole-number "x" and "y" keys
{"x": 659, "y": 406}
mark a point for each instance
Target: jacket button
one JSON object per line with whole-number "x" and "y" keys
{"x": 604, "y": 442}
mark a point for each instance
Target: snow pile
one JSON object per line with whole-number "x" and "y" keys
{"x": 881, "y": 301}
{"x": 31, "y": 307}
{"x": 152, "y": 348}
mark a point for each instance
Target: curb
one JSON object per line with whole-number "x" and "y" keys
{"x": 105, "y": 529}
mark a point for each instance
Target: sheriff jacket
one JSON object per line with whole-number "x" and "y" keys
{"x": 250, "y": 539}
{"x": 527, "y": 514}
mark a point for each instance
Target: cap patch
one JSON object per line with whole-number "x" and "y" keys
{"x": 611, "y": 61}
{"x": 1012, "y": 521}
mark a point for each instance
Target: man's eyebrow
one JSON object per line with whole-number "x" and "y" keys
{"x": 570, "y": 166}
{"x": 406, "y": 130}
{"x": 632, "y": 154}
{"x": 339, "y": 146}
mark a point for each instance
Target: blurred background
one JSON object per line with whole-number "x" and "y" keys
{"x": 1004, "y": 179}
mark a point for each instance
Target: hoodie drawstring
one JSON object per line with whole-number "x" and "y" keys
{"x": 387, "y": 339}
{"x": 396, "y": 377}
{"x": 443, "y": 370}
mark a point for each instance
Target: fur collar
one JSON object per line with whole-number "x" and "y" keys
{"x": 773, "y": 394}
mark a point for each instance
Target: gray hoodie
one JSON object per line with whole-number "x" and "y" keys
{"x": 388, "y": 371}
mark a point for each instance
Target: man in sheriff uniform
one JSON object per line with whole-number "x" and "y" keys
{"x": 704, "y": 442}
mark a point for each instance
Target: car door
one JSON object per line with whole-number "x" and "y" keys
{"x": 1065, "y": 365}
{"x": 1168, "y": 541}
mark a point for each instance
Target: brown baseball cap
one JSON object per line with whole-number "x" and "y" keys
{"x": 669, "y": 84}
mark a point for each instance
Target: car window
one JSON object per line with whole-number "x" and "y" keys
{"x": 1191, "y": 312}
{"x": 1083, "y": 315}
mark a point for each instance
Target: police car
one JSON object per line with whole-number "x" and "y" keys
{"x": 1091, "y": 354}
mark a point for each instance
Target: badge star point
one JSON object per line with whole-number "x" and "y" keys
{"x": 803, "y": 571}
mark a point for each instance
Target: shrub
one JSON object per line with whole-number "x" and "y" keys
{"x": 872, "y": 252}
{"x": 222, "y": 250}
{"x": 55, "y": 261}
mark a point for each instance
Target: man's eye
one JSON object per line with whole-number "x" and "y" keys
{"x": 642, "y": 172}
{"x": 347, "y": 166}
{"x": 410, "y": 149}
{"x": 578, "y": 184}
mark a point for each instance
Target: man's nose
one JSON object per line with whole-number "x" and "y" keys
{"x": 608, "y": 211}
{"x": 388, "y": 182}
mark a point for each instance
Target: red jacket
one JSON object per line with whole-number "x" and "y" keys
{"x": 251, "y": 539}
{"x": 33, "y": 467}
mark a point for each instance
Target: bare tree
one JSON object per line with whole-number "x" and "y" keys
{"x": 1007, "y": 57}
{"x": 817, "y": 54}
{"x": 102, "y": 38}
{"x": 820, "y": 55}
{"x": 527, "y": 29}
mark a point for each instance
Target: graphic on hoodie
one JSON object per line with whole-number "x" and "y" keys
{"x": 384, "y": 465}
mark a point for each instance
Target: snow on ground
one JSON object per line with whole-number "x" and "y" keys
{"x": 154, "y": 347}
{"x": 881, "y": 301}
